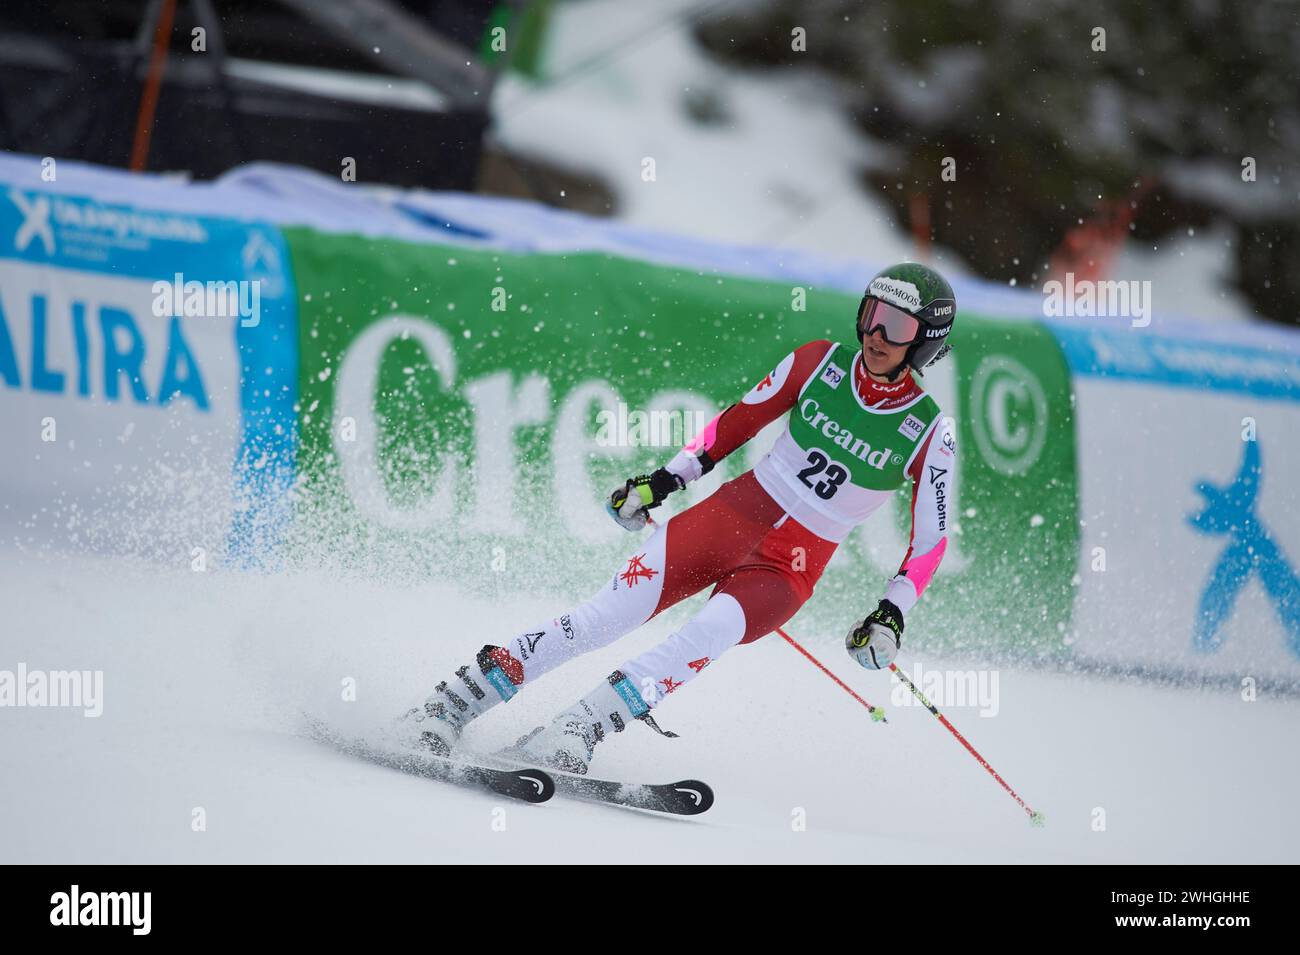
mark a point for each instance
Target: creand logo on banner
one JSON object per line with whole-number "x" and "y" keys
{"x": 498, "y": 406}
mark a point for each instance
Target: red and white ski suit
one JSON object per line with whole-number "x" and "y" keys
{"x": 761, "y": 563}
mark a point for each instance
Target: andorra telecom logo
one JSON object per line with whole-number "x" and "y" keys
{"x": 1229, "y": 512}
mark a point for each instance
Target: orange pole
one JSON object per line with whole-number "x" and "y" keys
{"x": 919, "y": 213}
{"x": 153, "y": 81}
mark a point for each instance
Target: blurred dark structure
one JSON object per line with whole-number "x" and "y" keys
{"x": 401, "y": 86}
{"x": 1055, "y": 141}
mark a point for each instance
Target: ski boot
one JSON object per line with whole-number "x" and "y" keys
{"x": 437, "y": 725}
{"x": 570, "y": 741}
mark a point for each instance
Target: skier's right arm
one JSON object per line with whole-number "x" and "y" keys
{"x": 771, "y": 397}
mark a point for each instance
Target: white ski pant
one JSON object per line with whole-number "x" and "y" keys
{"x": 632, "y": 597}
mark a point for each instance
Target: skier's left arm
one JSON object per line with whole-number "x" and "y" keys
{"x": 875, "y": 641}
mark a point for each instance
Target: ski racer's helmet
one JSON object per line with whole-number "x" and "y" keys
{"x": 913, "y": 305}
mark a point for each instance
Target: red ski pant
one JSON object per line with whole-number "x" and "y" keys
{"x": 761, "y": 564}
{"x": 740, "y": 542}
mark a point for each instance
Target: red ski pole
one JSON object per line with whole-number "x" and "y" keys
{"x": 1036, "y": 818}
{"x": 876, "y": 712}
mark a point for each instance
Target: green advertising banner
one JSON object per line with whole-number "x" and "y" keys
{"x": 445, "y": 408}
{"x": 463, "y": 413}
{"x": 1018, "y": 508}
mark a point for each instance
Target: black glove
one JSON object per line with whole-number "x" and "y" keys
{"x": 875, "y": 641}
{"x": 630, "y": 503}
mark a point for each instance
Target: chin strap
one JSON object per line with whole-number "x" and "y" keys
{"x": 894, "y": 375}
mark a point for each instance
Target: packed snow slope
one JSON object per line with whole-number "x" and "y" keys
{"x": 206, "y": 675}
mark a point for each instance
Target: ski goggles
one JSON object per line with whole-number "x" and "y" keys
{"x": 896, "y": 326}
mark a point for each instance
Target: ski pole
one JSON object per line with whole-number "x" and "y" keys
{"x": 1036, "y": 818}
{"x": 877, "y": 714}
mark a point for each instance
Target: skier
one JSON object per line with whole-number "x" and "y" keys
{"x": 861, "y": 427}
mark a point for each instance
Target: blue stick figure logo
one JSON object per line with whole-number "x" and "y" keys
{"x": 1230, "y": 512}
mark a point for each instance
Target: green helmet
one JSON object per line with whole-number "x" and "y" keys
{"x": 923, "y": 293}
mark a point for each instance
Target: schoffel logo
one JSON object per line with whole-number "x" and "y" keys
{"x": 566, "y": 624}
{"x": 1009, "y": 414}
{"x": 940, "y": 495}
{"x": 528, "y": 643}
